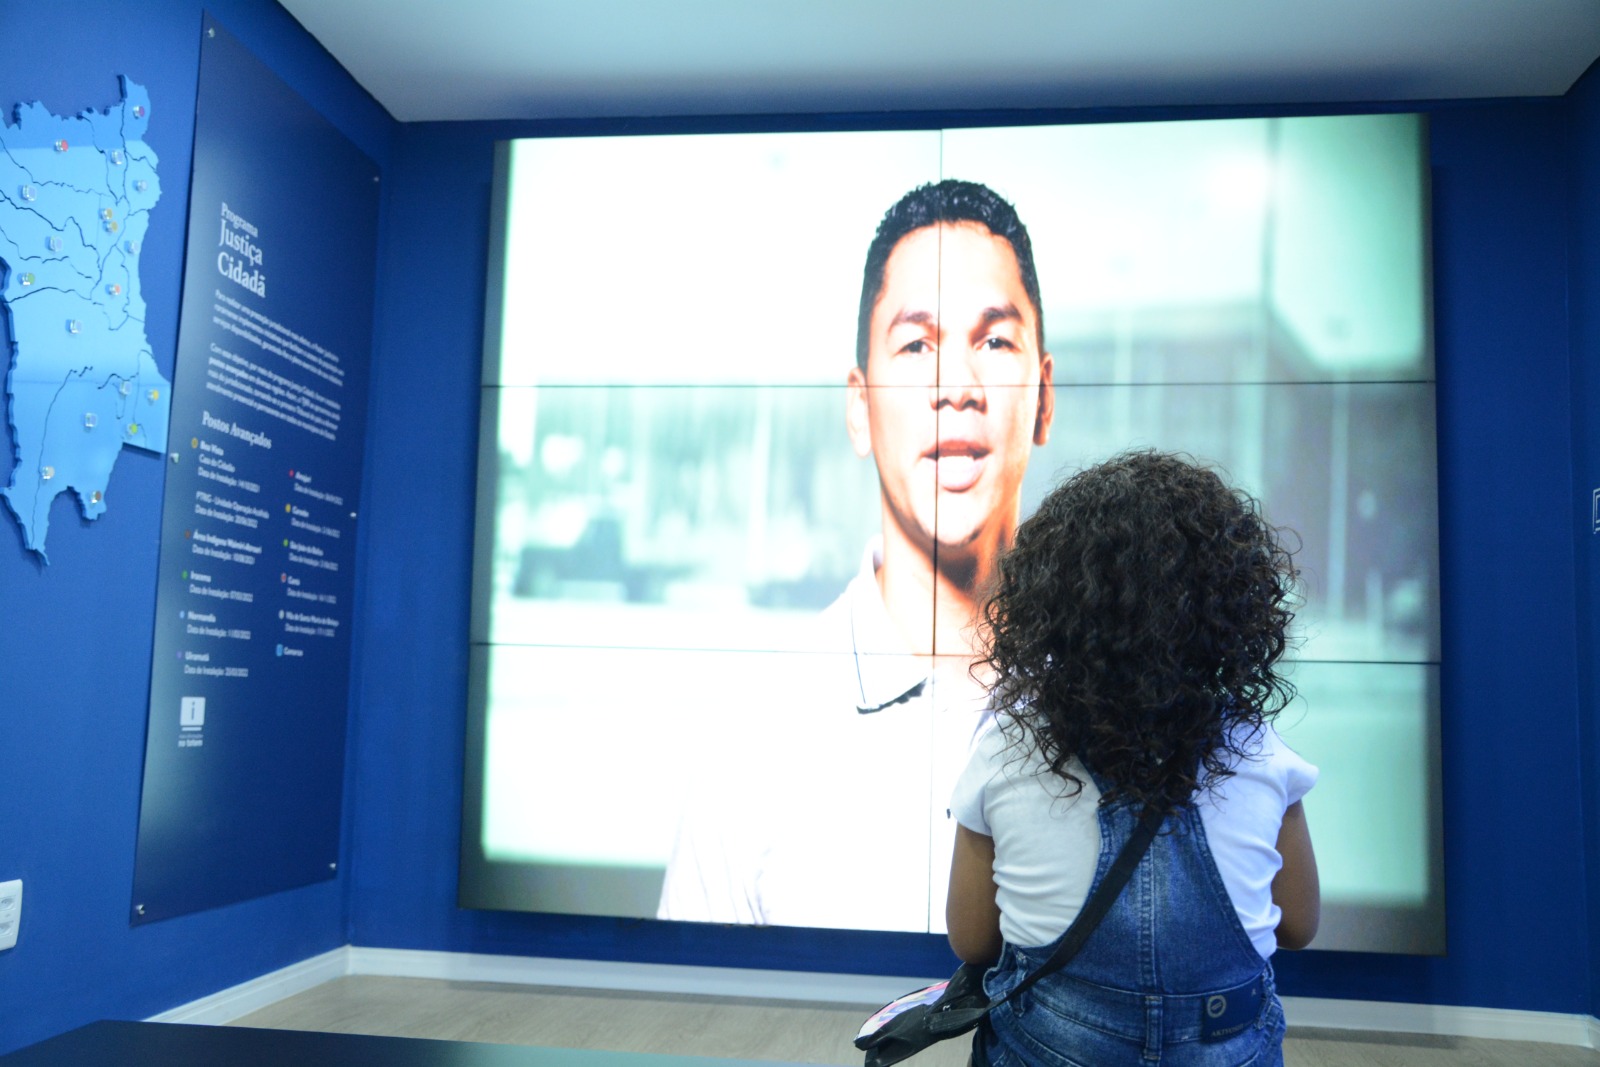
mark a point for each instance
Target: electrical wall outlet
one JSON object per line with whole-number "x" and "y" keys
{"x": 10, "y": 912}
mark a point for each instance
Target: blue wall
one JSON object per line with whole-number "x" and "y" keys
{"x": 1514, "y": 845}
{"x": 1517, "y": 290}
{"x": 75, "y": 637}
{"x": 1584, "y": 282}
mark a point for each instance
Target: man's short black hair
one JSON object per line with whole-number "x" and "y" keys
{"x": 949, "y": 201}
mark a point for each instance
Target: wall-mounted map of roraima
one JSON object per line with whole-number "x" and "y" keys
{"x": 75, "y": 202}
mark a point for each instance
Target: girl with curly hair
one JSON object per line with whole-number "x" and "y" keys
{"x": 1134, "y": 635}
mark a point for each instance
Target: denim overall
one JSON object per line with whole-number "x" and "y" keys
{"x": 1169, "y": 977}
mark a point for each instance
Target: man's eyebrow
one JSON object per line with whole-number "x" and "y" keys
{"x": 1007, "y": 312}
{"x": 1002, "y": 313}
{"x": 919, "y": 318}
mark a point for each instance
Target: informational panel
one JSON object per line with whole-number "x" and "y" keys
{"x": 249, "y": 686}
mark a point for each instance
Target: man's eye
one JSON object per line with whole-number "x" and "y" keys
{"x": 997, "y": 344}
{"x": 916, "y": 348}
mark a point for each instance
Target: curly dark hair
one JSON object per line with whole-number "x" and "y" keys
{"x": 1136, "y": 624}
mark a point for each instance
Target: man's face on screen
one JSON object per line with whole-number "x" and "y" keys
{"x": 956, "y": 391}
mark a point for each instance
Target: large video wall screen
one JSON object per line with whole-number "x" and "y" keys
{"x": 725, "y": 555}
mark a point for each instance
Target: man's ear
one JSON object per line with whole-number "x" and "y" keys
{"x": 1047, "y": 400}
{"x": 856, "y": 409}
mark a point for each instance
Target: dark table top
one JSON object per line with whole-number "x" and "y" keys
{"x": 123, "y": 1044}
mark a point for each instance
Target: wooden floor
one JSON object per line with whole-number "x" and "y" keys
{"x": 761, "y": 1029}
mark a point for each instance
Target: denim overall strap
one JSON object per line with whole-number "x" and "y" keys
{"x": 1102, "y": 896}
{"x": 1174, "y": 921}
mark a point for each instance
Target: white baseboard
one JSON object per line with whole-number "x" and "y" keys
{"x": 246, "y": 997}
{"x": 866, "y": 991}
{"x": 1442, "y": 1020}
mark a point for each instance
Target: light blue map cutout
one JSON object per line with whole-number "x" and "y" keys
{"x": 75, "y": 200}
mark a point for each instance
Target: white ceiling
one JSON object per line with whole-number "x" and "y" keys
{"x": 502, "y": 59}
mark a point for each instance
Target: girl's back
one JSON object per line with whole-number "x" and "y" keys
{"x": 1193, "y": 925}
{"x": 1137, "y": 624}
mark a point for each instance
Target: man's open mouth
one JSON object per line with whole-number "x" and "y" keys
{"x": 959, "y": 465}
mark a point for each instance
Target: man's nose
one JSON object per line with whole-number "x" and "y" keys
{"x": 956, "y": 384}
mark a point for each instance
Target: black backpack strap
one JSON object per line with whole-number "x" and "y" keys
{"x": 963, "y": 1004}
{"x": 1099, "y": 902}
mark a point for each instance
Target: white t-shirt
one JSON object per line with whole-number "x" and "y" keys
{"x": 1047, "y": 841}
{"x": 825, "y": 802}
